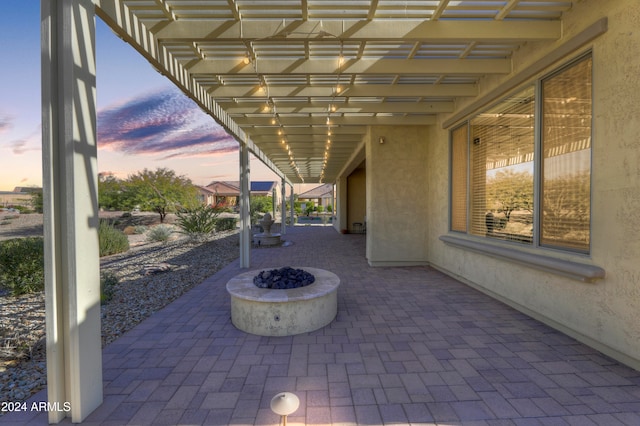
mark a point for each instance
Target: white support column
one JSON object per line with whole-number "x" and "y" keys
{"x": 292, "y": 199}
{"x": 283, "y": 210}
{"x": 70, "y": 182}
{"x": 245, "y": 215}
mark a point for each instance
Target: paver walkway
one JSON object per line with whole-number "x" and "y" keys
{"x": 409, "y": 346}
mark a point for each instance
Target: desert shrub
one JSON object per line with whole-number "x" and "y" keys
{"x": 22, "y": 265}
{"x": 226, "y": 224}
{"x": 24, "y": 209}
{"x": 199, "y": 221}
{"x": 160, "y": 233}
{"x": 112, "y": 240}
{"x": 108, "y": 281}
{"x": 140, "y": 229}
{"x": 129, "y": 230}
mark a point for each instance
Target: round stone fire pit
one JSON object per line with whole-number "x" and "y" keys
{"x": 277, "y": 312}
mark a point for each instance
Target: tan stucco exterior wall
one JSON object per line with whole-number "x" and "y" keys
{"x": 396, "y": 195}
{"x": 357, "y": 195}
{"x": 605, "y": 313}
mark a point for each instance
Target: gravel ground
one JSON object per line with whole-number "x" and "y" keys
{"x": 150, "y": 276}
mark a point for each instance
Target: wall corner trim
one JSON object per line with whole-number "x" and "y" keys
{"x": 578, "y": 271}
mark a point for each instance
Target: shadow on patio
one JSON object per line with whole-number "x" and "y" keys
{"x": 409, "y": 346}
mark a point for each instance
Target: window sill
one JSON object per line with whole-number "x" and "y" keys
{"x": 575, "y": 270}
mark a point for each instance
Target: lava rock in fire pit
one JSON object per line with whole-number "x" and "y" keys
{"x": 283, "y": 278}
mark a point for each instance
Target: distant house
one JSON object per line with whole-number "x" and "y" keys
{"x": 20, "y": 196}
{"x": 321, "y": 195}
{"x": 226, "y": 193}
{"x": 206, "y": 196}
{"x": 27, "y": 189}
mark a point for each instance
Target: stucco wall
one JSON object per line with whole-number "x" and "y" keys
{"x": 357, "y": 198}
{"x": 606, "y": 313}
{"x": 396, "y": 195}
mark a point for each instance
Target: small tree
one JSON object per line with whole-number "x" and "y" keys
{"x": 111, "y": 195}
{"x": 259, "y": 204}
{"x": 37, "y": 201}
{"x": 161, "y": 191}
{"x": 509, "y": 190}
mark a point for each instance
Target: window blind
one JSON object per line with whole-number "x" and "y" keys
{"x": 566, "y": 152}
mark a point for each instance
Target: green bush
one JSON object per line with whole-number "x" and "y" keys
{"x": 22, "y": 265}
{"x": 139, "y": 229}
{"x": 108, "y": 281}
{"x": 112, "y": 240}
{"x": 160, "y": 233}
{"x": 199, "y": 221}
{"x": 259, "y": 204}
{"x": 226, "y": 224}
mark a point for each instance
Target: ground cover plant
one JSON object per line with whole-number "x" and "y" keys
{"x": 112, "y": 240}
{"x": 198, "y": 222}
{"x": 22, "y": 265}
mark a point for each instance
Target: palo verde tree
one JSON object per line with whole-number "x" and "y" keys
{"x": 161, "y": 191}
{"x": 509, "y": 190}
{"x": 110, "y": 192}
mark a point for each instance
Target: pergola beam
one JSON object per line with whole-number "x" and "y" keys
{"x": 364, "y": 66}
{"x": 351, "y": 91}
{"x": 363, "y": 120}
{"x": 265, "y": 30}
{"x": 340, "y": 107}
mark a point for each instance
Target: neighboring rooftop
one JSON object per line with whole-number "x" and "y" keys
{"x": 322, "y": 191}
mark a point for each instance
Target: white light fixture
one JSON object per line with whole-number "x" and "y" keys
{"x": 381, "y": 139}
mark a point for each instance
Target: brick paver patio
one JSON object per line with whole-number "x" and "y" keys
{"x": 409, "y": 346}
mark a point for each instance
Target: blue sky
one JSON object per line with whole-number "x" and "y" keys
{"x": 143, "y": 120}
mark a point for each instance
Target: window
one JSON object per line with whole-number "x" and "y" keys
{"x": 459, "y": 179}
{"x": 498, "y": 189}
{"x": 566, "y": 158}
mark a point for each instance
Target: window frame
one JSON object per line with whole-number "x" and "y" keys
{"x": 538, "y": 178}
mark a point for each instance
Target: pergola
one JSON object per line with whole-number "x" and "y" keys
{"x": 295, "y": 82}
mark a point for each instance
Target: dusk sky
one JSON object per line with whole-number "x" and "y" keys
{"x": 143, "y": 120}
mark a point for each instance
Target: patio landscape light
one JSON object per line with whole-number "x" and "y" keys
{"x": 284, "y": 404}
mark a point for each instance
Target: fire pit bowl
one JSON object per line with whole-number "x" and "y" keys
{"x": 278, "y": 312}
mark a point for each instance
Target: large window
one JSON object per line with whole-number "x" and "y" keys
{"x": 520, "y": 179}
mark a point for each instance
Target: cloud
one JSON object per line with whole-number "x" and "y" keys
{"x": 164, "y": 123}
{"x": 6, "y": 122}
{"x": 32, "y": 142}
{"x": 19, "y": 146}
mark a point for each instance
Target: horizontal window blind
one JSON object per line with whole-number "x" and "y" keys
{"x": 566, "y": 151}
{"x": 502, "y": 147}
